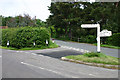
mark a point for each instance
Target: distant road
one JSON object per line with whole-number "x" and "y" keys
{"x": 107, "y": 51}
{"x": 28, "y": 64}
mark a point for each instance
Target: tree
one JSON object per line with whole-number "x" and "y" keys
{"x": 21, "y": 21}
{"x": 67, "y": 17}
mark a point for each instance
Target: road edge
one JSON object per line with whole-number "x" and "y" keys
{"x": 92, "y": 64}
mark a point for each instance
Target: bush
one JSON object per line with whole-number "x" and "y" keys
{"x": 114, "y": 39}
{"x": 91, "y": 39}
{"x": 4, "y": 37}
{"x": 88, "y": 39}
{"x": 25, "y": 37}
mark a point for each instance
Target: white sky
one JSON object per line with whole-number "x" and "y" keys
{"x": 36, "y": 8}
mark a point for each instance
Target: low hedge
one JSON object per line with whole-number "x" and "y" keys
{"x": 25, "y": 37}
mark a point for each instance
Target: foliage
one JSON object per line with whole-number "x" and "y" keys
{"x": 52, "y": 31}
{"x": 114, "y": 39}
{"x": 51, "y": 45}
{"x": 4, "y": 37}
{"x": 88, "y": 39}
{"x": 22, "y": 21}
{"x": 25, "y": 37}
{"x": 67, "y": 18}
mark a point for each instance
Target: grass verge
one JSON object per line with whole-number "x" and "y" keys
{"x": 53, "y": 45}
{"x": 96, "y": 58}
{"x": 108, "y": 46}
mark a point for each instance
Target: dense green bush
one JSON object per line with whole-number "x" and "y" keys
{"x": 4, "y": 37}
{"x": 91, "y": 39}
{"x": 25, "y": 37}
{"x": 88, "y": 39}
{"x": 114, "y": 40}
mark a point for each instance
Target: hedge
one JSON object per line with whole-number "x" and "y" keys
{"x": 114, "y": 40}
{"x": 88, "y": 39}
{"x": 25, "y": 37}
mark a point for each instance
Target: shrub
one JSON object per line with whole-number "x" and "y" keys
{"x": 88, "y": 39}
{"x": 114, "y": 39}
{"x": 25, "y": 37}
{"x": 4, "y": 37}
{"x": 91, "y": 39}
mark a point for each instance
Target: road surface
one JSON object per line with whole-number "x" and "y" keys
{"x": 107, "y": 51}
{"x": 35, "y": 64}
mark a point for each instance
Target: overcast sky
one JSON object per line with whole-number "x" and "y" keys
{"x": 36, "y": 8}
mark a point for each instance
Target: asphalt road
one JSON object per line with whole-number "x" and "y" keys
{"x": 107, "y": 51}
{"x": 33, "y": 64}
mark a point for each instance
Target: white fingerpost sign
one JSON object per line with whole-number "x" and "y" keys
{"x": 47, "y": 42}
{"x": 8, "y": 43}
{"x": 103, "y": 33}
{"x": 53, "y": 41}
{"x": 34, "y": 43}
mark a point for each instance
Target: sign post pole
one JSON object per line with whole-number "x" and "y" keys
{"x": 103, "y": 33}
{"x": 98, "y": 33}
{"x": 98, "y": 38}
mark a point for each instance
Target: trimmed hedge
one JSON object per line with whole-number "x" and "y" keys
{"x": 114, "y": 40}
{"x": 25, "y": 37}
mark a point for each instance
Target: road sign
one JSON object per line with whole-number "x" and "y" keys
{"x": 34, "y": 43}
{"x": 105, "y": 33}
{"x": 89, "y": 25}
{"x": 8, "y": 43}
{"x": 53, "y": 41}
{"x": 98, "y": 32}
{"x": 46, "y": 41}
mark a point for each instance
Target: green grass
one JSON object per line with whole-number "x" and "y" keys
{"x": 96, "y": 58}
{"x": 108, "y": 46}
{"x": 3, "y": 47}
{"x": 53, "y": 45}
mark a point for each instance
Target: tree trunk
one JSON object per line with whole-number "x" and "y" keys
{"x": 70, "y": 34}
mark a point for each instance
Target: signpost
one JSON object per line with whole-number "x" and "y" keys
{"x": 47, "y": 42}
{"x": 53, "y": 41}
{"x": 103, "y": 33}
{"x": 8, "y": 44}
{"x": 34, "y": 44}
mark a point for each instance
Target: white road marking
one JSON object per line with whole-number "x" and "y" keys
{"x": 47, "y": 70}
{"x": 55, "y": 50}
{"x": 40, "y": 55}
{"x": 91, "y": 75}
{"x": 0, "y": 56}
{"x": 76, "y": 49}
{"x": 70, "y": 48}
{"x": 33, "y": 54}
